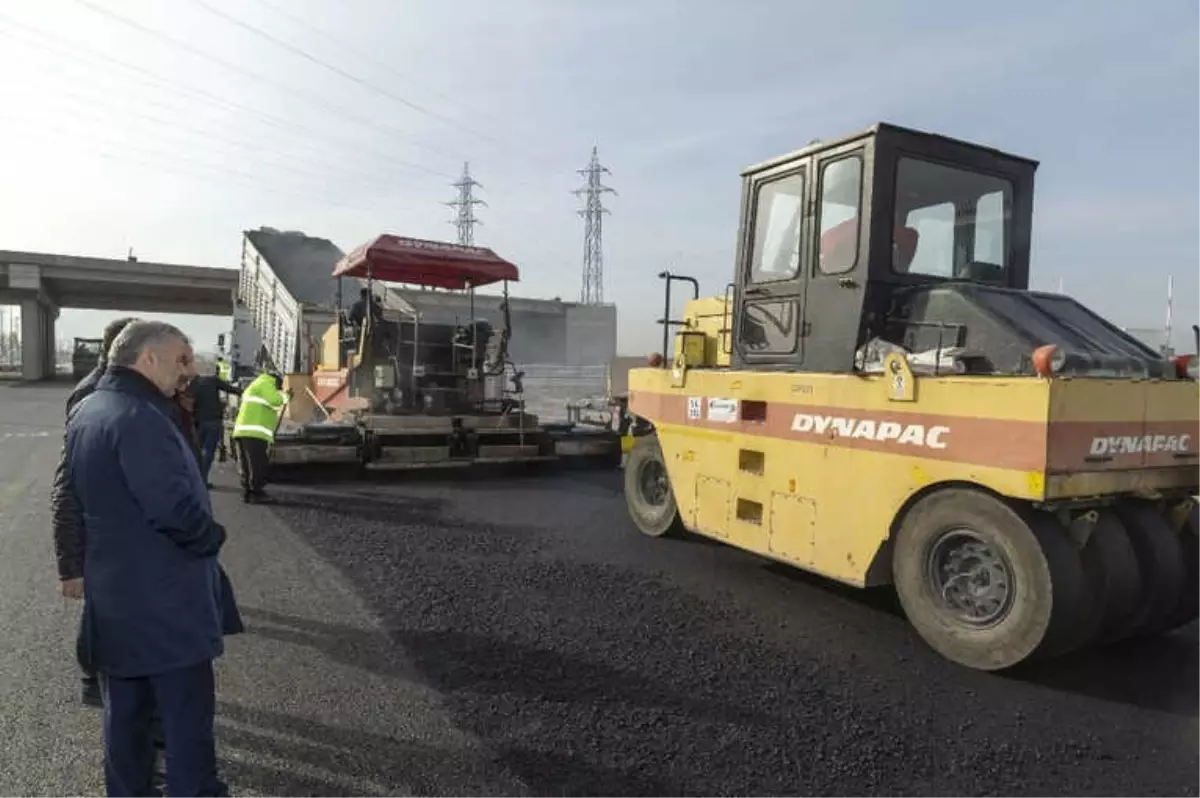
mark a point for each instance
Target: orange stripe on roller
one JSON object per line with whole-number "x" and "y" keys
{"x": 998, "y": 443}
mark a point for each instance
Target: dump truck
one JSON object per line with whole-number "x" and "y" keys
{"x": 878, "y": 397}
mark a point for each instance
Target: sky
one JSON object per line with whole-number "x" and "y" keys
{"x": 171, "y": 127}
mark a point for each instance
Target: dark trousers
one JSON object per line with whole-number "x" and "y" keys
{"x": 209, "y": 433}
{"x": 187, "y": 700}
{"x": 83, "y": 655}
{"x": 91, "y": 680}
{"x": 254, "y": 461}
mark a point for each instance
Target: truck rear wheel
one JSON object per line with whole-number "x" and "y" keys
{"x": 985, "y": 585}
{"x": 648, "y": 493}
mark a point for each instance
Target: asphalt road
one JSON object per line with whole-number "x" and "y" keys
{"x": 517, "y": 636}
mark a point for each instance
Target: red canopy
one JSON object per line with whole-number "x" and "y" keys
{"x": 415, "y": 261}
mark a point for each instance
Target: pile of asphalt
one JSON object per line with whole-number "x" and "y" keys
{"x": 591, "y": 660}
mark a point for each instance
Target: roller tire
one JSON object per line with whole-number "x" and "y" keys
{"x": 1188, "y": 608}
{"x": 1115, "y": 581}
{"x": 1048, "y": 588}
{"x": 652, "y": 520}
{"x": 1160, "y": 561}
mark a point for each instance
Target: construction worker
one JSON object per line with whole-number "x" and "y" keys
{"x": 254, "y": 432}
{"x": 209, "y": 412}
{"x": 367, "y": 303}
{"x": 225, "y": 375}
{"x": 358, "y": 311}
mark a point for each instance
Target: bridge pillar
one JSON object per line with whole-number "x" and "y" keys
{"x": 39, "y": 309}
{"x": 37, "y": 339}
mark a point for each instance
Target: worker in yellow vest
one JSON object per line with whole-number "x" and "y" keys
{"x": 258, "y": 415}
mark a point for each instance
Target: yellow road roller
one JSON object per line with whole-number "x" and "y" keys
{"x": 878, "y": 397}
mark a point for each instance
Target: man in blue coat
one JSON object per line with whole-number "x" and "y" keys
{"x": 68, "y": 523}
{"x": 154, "y": 595}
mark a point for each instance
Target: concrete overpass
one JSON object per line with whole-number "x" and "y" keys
{"x": 43, "y": 283}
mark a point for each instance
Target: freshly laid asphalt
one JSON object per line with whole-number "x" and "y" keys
{"x": 504, "y": 634}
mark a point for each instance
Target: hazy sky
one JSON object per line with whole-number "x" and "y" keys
{"x": 173, "y": 144}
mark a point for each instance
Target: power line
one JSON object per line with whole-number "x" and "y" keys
{"x": 360, "y": 55}
{"x": 307, "y": 96}
{"x": 293, "y": 165}
{"x": 302, "y": 53}
{"x": 464, "y": 206}
{"x": 172, "y": 162}
{"x": 146, "y": 76}
{"x": 178, "y": 164}
{"x": 523, "y": 242}
{"x": 356, "y": 47}
{"x": 592, "y": 291}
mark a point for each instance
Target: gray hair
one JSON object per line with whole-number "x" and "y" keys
{"x": 138, "y": 336}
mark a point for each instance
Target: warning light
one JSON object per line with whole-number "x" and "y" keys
{"x": 1048, "y": 360}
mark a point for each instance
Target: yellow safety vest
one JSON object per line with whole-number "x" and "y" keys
{"x": 258, "y": 413}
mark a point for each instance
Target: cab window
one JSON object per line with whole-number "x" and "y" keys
{"x": 951, "y": 222}
{"x": 778, "y": 212}
{"x": 769, "y": 327}
{"x": 841, "y": 198}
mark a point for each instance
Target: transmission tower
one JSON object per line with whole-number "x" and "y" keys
{"x": 464, "y": 205}
{"x": 592, "y": 292}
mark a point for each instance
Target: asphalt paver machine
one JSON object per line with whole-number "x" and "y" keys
{"x": 399, "y": 390}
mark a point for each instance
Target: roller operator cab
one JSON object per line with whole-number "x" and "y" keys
{"x": 878, "y": 397}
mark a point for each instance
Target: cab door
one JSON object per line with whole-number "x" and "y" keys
{"x": 838, "y": 277}
{"x": 772, "y": 277}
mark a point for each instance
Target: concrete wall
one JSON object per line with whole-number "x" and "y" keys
{"x": 618, "y": 373}
{"x": 591, "y": 334}
{"x": 544, "y": 332}
{"x": 548, "y": 388}
{"x": 563, "y": 348}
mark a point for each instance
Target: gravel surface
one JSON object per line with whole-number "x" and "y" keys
{"x": 500, "y": 635}
{"x": 47, "y": 745}
{"x": 591, "y": 660}
{"x": 298, "y": 713}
